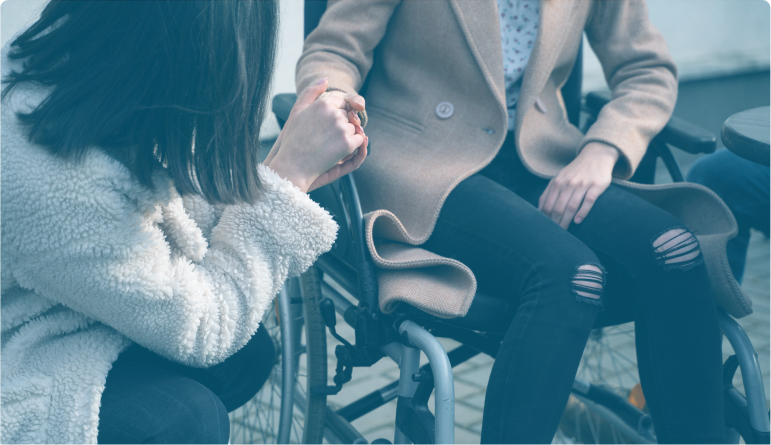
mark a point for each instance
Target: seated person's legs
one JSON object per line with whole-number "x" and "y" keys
{"x": 148, "y": 399}
{"x": 744, "y": 186}
{"x": 655, "y": 276}
{"x": 555, "y": 282}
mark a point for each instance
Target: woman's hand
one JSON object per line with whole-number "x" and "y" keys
{"x": 317, "y": 136}
{"x": 571, "y": 194}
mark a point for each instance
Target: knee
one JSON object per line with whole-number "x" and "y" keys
{"x": 581, "y": 274}
{"x": 719, "y": 172}
{"x": 196, "y": 415}
{"x": 244, "y": 373}
{"x": 677, "y": 249}
{"x": 588, "y": 283}
{"x": 703, "y": 171}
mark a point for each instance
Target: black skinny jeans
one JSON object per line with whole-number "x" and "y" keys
{"x": 148, "y": 399}
{"x": 490, "y": 222}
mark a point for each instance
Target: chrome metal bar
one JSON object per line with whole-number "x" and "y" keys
{"x": 444, "y": 384}
{"x": 393, "y": 351}
{"x": 752, "y": 376}
{"x": 287, "y": 365}
{"x": 409, "y": 364}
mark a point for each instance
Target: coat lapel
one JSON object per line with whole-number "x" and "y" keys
{"x": 552, "y": 28}
{"x": 480, "y": 25}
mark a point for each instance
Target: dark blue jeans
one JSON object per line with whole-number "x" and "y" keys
{"x": 148, "y": 399}
{"x": 744, "y": 186}
{"x": 490, "y": 223}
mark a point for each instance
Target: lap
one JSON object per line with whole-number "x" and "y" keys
{"x": 500, "y": 233}
{"x": 148, "y": 397}
{"x": 499, "y": 236}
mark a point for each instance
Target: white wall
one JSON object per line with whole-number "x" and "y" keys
{"x": 706, "y": 37}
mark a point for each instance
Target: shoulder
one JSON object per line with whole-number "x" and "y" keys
{"x": 54, "y": 200}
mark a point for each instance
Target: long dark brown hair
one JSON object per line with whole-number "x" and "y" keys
{"x": 179, "y": 83}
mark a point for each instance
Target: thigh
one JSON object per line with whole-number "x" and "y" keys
{"x": 143, "y": 403}
{"x": 161, "y": 395}
{"x": 502, "y": 238}
{"x": 623, "y": 226}
{"x": 621, "y": 229}
{"x": 235, "y": 380}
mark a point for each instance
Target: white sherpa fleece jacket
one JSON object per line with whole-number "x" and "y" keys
{"x": 93, "y": 261}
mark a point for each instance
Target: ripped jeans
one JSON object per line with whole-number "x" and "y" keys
{"x": 627, "y": 261}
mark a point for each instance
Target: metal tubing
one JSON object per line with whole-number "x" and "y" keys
{"x": 369, "y": 294}
{"x": 341, "y": 303}
{"x": 751, "y": 374}
{"x": 444, "y": 402}
{"x": 400, "y": 437}
{"x": 393, "y": 351}
{"x": 669, "y": 160}
{"x": 409, "y": 364}
{"x": 287, "y": 366}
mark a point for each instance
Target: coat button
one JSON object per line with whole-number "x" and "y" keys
{"x": 444, "y": 110}
{"x": 541, "y": 107}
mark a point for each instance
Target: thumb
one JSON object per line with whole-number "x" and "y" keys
{"x": 310, "y": 94}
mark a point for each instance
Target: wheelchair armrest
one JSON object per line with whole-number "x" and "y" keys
{"x": 282, "y": 106}
{"x": 679, "y": 133}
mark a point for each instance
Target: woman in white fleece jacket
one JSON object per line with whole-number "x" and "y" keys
{"x": 142, "y": 240}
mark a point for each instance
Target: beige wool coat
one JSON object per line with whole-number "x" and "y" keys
{"x": 419, "y": 56}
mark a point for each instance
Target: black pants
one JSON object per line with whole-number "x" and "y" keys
{"x": 490, "y": 223}
{"x": 148, "y": 399}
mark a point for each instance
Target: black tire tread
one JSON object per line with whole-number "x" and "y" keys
{"x": 316, "y": 352}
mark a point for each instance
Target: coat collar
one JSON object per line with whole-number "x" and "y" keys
{"x": 480, "y": 24}
{"x": 552, "y": 28}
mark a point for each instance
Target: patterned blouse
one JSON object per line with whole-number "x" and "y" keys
{"x": 519, "y": 27}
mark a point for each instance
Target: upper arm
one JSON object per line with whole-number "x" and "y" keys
{"x": 641, "y": 75}
{"x": 342, "y": 45}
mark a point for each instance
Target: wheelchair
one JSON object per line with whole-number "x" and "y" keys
{"x": 342, "y": 286}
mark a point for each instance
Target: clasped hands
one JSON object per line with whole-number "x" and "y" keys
{"x": 322, "y": 140}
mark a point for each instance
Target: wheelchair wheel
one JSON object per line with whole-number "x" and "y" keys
{"x": 607, "y": 404}
{"x": 295, "y": 312}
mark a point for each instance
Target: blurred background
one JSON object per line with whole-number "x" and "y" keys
{"x": 722, "y": 51}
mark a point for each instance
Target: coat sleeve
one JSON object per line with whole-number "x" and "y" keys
{"x": 641, "y": 75}
{"x": 342, "y": 45}
{"x": 95, "y": 249}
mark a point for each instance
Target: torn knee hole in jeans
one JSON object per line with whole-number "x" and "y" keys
{"x": 588, "y": 283}
{"x": 677, "y": 249}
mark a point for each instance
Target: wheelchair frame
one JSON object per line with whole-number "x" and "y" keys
{"x": 401, "y": 338}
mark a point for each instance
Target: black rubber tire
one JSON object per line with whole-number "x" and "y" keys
{"x": 316, "y": 354}
{"x": 258, "y": 420}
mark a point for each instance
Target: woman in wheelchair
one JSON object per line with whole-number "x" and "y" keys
{"x": 478, "y": 184}
{"x": 142, "y": 239}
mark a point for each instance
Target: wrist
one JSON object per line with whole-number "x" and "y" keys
{"x": 600, "y": 151}
{"x": 290, "y": 173}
